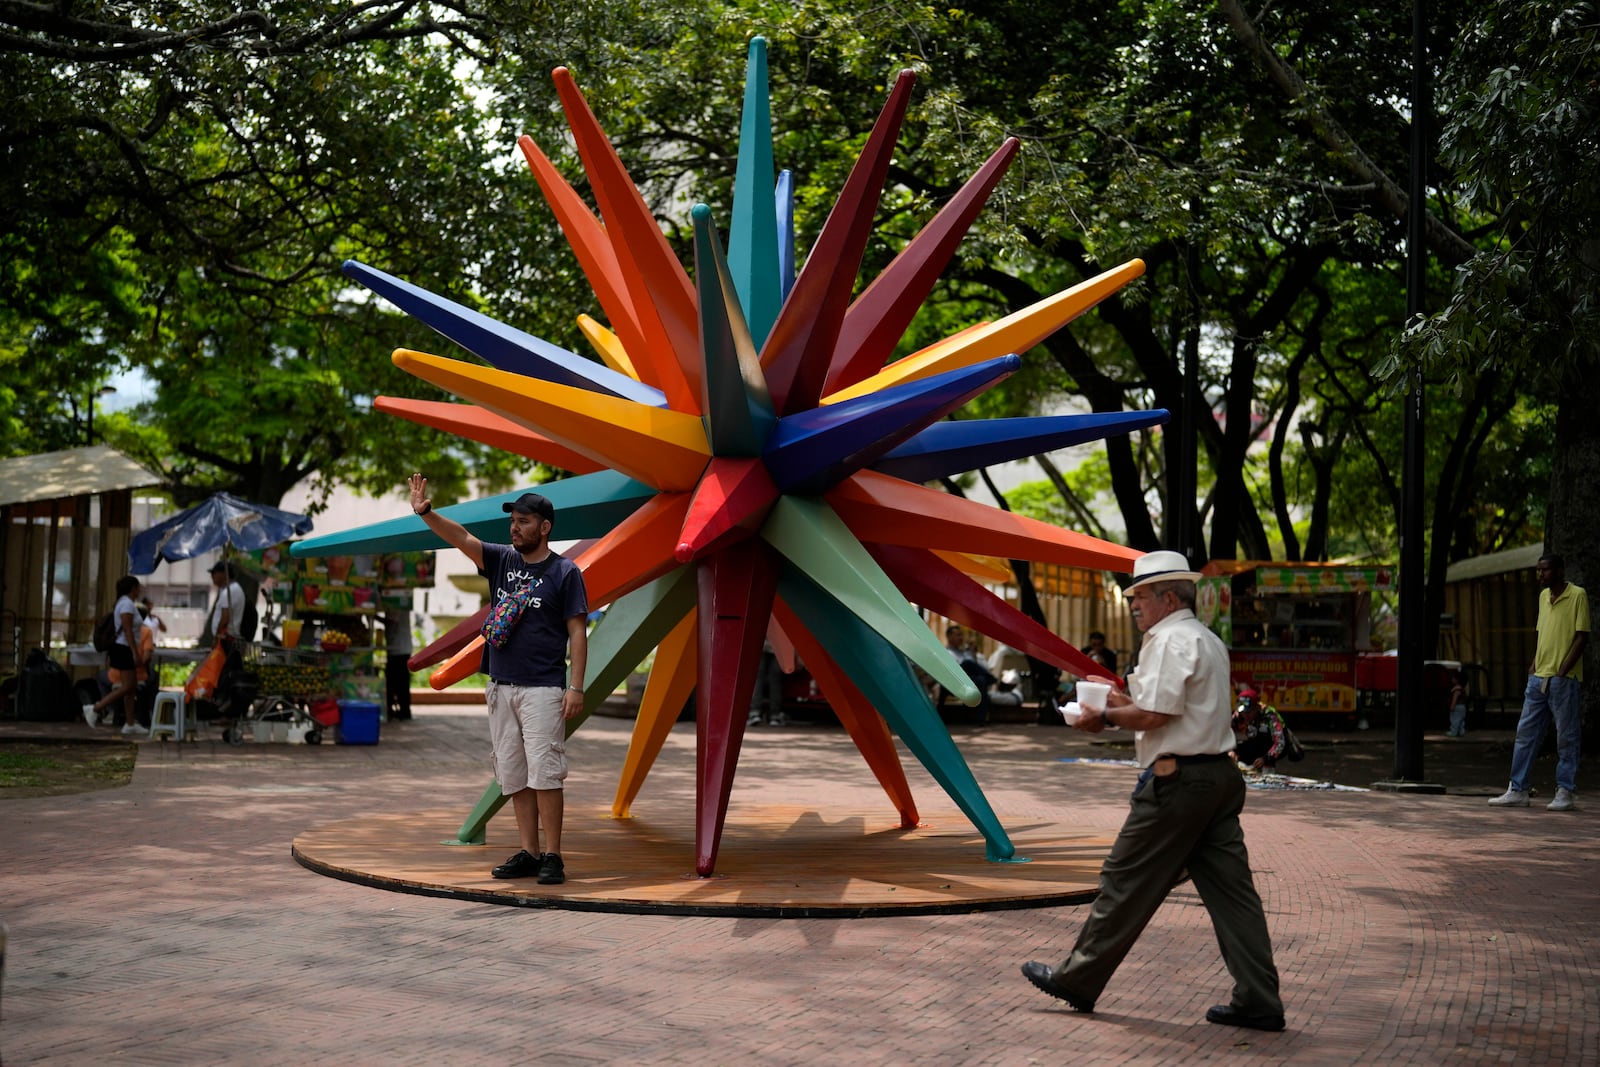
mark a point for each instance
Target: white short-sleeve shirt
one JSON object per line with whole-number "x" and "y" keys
{"x": 1183, "y": 673}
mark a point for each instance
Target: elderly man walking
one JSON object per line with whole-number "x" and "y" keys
{"x": 1184, "y": 812}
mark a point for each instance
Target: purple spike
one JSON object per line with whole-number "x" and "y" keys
{"x": 783, "y": 196}
{"x": 814, "y": 450}
{"x": 880, "y": 315}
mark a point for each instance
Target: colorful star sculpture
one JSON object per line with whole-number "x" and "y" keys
{"x": 749, "y": 465}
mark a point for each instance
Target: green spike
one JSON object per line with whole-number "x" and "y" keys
{"x": 817, "y": 541}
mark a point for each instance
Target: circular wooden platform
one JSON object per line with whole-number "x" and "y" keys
{"x": 776, "y": 862}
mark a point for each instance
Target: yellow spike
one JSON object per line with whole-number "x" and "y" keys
{"x": 609, "y": 346}
{"x": 983, "y": 568}
{"x": 666, "y": 450}
{"x": 1014, "y": 333}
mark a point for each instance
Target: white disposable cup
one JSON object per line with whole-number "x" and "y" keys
{"x": 1070, "y": 713}
{"x": 1092, "y": 695}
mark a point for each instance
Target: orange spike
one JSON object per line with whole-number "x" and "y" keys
{"x": 485, "y": 427}
{"x": 657, "y": 285}
{"x": 637, "y": 551}
{"x": 593, "y": 248}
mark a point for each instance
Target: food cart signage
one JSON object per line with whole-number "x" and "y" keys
{"x": 1310, "y": 580}
{"x": 1298, "y": 682}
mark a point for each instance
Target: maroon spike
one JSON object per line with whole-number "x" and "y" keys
{"x": 799, "y": 350}
{"x": 879, "y": 317}
{"x": 736, "y": 588}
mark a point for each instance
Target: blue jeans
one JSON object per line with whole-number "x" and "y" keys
{"x": 1564, "y": 704}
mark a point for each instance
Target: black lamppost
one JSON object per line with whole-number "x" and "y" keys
{"x": 1409, "y": 696}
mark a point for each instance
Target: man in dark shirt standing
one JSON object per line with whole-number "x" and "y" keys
{"x": 529, "y": 695}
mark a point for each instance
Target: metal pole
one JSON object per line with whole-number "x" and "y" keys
{"x": 1408, "y": 699}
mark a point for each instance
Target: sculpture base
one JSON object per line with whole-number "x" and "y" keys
{"x": 775, "y": 861}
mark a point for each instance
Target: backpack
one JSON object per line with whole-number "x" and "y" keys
{"x": 105, "y": 632}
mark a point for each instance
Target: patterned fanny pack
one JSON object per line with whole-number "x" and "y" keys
{"x": 508, "y": 611}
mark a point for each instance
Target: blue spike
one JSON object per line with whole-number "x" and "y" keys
{"x": 753, "y": 234}
{"x": 589, "y": 505}
{"x": 784, "y": 204}
{"x": 500, "y": 345}
{"x": 947, "y": 448}
{"x": 886, "y": 679}
{"x": 811, "y": 451}
{"x": 738, "y": 410}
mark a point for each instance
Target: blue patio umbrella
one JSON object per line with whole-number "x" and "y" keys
{"x": 222, "y": 521}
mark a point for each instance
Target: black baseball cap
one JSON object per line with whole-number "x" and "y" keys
{"x": 532, "y": 504}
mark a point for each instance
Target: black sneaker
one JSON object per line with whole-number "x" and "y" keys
{"x": 551, "y": 871}
{"x": 522, "y": 865}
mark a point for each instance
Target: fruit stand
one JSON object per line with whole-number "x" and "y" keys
{"x": 333, "y": 602}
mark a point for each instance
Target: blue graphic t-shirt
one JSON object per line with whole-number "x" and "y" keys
{"x": 536, "y": 654}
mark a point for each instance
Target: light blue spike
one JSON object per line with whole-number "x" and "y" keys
{"x": 590, "y": 505}
{"x": 784, "y": 204}
{"x": 500, "y": 345}
{"x": 886, "y": 679}
{"x": 753, "y": 234}
{"x": 947, "y": 448}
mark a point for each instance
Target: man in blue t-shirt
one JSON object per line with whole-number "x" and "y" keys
{"x": 529, "y": 696}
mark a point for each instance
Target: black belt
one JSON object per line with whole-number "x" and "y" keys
{"x": 1185, "y": 760}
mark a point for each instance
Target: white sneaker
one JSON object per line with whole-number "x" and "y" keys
{"x": 89, "y": 716}
{"x": 1566, "y": 800}
{"x": 133, "y": 729}
{"x": 1511, "y": 798}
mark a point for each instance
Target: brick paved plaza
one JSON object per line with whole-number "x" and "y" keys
{"x": 166, "y": 923}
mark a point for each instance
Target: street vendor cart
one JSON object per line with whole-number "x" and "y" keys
{"x": 1294, "y": 630}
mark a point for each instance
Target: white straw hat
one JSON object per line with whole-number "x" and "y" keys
{"x": 1161, "y": 566}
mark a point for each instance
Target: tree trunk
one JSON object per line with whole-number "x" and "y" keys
{"x": 1573, "y": 528}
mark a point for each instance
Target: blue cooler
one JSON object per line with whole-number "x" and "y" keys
{"x": 358, "y": 722}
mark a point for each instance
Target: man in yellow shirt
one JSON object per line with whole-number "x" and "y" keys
{"x": 1555, "y": 684}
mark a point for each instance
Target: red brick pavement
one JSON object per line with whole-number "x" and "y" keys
{"x": 165, "y": 923}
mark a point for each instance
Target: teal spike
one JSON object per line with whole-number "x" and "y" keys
{"x": 632, "y": 626}
{"x": 753, "y": 237}
{"x": 590, "y": 505}
{"x": 817, "y": 541}
{"x": 886, "y": 679}
{"x": 738, "y": 410}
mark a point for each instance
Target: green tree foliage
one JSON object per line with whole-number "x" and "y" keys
{"x": 182, "y": 180}
{"x": 187, "y": 171}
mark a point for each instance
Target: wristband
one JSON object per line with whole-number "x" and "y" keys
{"x": 426, "y": 507}
{"x": 575, "y": 689}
